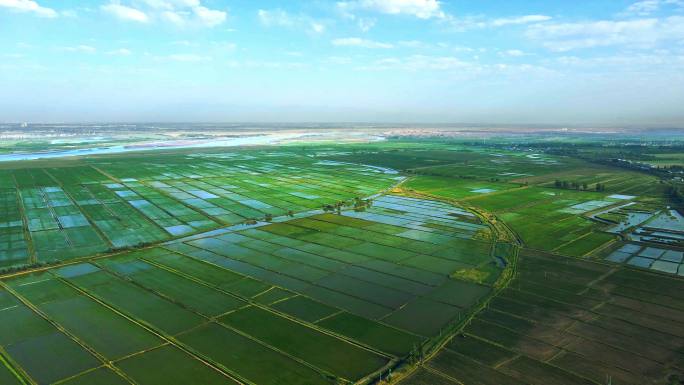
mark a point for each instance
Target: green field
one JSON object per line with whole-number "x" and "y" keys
{"x": 61, "y": 213}
{"x": 338, "y": 264}
{"x": 299, "y": 294}
{"x": 545, "y": 217}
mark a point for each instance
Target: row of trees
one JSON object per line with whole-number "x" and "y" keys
{"x": 25, "y": 267}
{"x": 358, "y": 204}
{"x": 676, "y": 192}
{"x": 671, "y": 167}
{"x": 577, "y": 186}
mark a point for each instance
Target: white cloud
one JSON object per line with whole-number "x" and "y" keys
{"x": 79, "y": 48}
{"x": 643, "y": 8}
{"x": 209, "y": 17}
{"x": 28, "y": 6}
{"x": 648, "y": 7}
{"x": 172, "y": 4}
{"x": 173, "y": 17}
{"x": 181, "y": 13}
{"x": 512, "y": 53}
{"x": 225, "y": 45}
{"x": 527, "y": 19}
{"x": 280, "y": 18}
{"x": 456, "y": 67}
{"x": 317, "y": 27}
{"x": 365, "y": 25}
{"x": 412, "y": 44}
{"x": 419, "y": 63}
{"x": 270, "y": 65}
{"x": 422, "y": 9}
{"x": 275, "y": 17}
{"x": 338, "y": 60}
{"x": 624, "y": 62}
{"x": 471, "y": 22}
{"x": 125, "y": 13}
{"x": 358, "y": 42}
{"x": 186, "y": 3}
{"x": 184, "y": 43}
{"x": 188, "y": 58}
{"x": 638, "y": 33}
{"x": 158, "y": 4}
{"x": 120, "y": 52}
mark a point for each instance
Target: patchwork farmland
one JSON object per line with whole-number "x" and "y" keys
{"x": 264, "y": 252}
{"x": 73, "y": 212}
{"x": 400, "y": 262}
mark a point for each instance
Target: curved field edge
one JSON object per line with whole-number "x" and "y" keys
{"x": 403, "y": 369}
{"x": 523, "y": 355}
{"x": 645, "y": 304}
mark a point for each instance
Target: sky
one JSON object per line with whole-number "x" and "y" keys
{"x": 556, "y": 62}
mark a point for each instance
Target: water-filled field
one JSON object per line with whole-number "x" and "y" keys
{"x": 68, "y": 212}
{"x": 255, "y": 280}
{"x": 337, "y": 264}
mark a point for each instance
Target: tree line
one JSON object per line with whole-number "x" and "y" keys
{"x": 572, "y": 185}
{"x": 676, "y": 192}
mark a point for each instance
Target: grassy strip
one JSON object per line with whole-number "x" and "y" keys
{"x": 16, "y": 370}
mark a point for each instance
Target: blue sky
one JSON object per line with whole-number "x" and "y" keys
{"x": 602, "y": 62}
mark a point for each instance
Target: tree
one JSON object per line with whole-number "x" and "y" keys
{"x": 585, "y": 186}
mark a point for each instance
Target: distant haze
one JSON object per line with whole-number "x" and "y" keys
{"x": 600, "y": 63}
